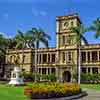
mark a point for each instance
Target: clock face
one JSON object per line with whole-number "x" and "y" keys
{"x": 65, "y": 25}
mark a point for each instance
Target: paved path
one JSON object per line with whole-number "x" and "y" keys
{"x": 92, "y": 95}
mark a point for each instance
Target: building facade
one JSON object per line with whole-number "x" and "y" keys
{"x": 61, "y": 60}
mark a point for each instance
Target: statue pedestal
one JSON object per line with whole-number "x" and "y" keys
{"x": 16, "y": 77}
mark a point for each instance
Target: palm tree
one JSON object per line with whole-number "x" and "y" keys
{"x": 2, "y": 43}
{"x": 79, "y": 30}
{"x": 96, "y": 28}
{"x": 11, "y": 43}
{"x": 21, "y": 40}
{"x": 37, "y": 36}
{"x": 2, "y": 53}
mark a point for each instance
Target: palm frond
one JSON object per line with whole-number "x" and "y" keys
{"x": 84, "y": 39}
{"x": 92, "y": 28}
{"x": 45, "y": 41}
{"x": 41, "y": 31}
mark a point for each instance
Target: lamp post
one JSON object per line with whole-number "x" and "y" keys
{"x": 35, "y": 61}
{"x": 79, "y": 63}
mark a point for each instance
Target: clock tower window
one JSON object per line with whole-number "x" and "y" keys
{"x": 72, "y": 23}
{"x": 63, "y": 40}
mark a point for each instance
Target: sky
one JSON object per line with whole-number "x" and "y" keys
{"x": 25, "y": 14}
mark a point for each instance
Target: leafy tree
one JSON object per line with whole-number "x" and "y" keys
{"x": 37, "y": 36}
{"x": 2, "y": 54}
{"x": 21, "y": 39}
{"x": 96, "y": 27}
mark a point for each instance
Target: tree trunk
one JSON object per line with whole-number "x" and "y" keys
{"x": 35, "y": 61}
{"x": 79, "y": 64}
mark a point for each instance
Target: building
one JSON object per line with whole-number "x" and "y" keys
{"x": 61, "y": 60}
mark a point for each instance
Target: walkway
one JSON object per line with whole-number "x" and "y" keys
{"x": 92, "y": 95}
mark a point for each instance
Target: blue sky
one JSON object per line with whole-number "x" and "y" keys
{"x": 25, "y": 14}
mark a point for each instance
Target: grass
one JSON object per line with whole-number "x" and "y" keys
{"x": 17, "y": 93}
{"x": 11, "y": 93}
{"x": 91, "y": 86}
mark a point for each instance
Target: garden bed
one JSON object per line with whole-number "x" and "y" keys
{"x": 52, "y": 90}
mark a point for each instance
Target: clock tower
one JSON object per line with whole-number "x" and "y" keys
{"x": 65, "y": 37}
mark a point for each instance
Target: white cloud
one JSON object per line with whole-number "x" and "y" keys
{"x": 6, "y": 35}
{"x": 39, "y": 13}
{"x": 43, "y": 13}
{"x": 5, "y": 15}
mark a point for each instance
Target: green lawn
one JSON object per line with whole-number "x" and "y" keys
{"x": 91, "y": 86}
{"x": 12, "y": 93}
{"x": 17, "y": 93}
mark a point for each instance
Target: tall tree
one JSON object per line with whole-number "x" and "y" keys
{"x": 21, "y": 40}
{"x": 2, "y": 43}
{"x": 79, "y": 30}
{"x": 2, "y": 54}
{"x": 37, "y": 36}
{"x": 96, "y": 27}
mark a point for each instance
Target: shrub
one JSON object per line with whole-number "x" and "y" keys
{"x": 90, "y": 78}
{"x": 51, "y": 77}
{"x": 28, "y": 77}
{"x": 51, "y": 90}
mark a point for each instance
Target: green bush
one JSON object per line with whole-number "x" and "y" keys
{"x": 90, "y": 78}
{"x": 51, "y": 77}
{"x": 28, "y": 76}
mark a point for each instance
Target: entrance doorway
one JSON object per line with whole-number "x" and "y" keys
{"x": 66, "y": 76}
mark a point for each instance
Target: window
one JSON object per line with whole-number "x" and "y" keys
{"x": 72, "y": 23}
{"x": 88, "y": 56}
{"x": 69, "y": 56}
{"x": 48, "y": 57}
{"x": 44, "y": 58}
{"x": 88, "y": 70}
{"x": 63, "y": 57}
{"x": 48, "y": 71}
{"x": 60, "y": 41}
{"x": 39, "y": 70}
{"x": 53, "y": 70}
{"x": 94, "y": 56}
{"x": 83, "y": 55}
{"x": 83, "y": 70}
{"x": 63, "y": 40}
{"x": 43, "y": 70}
{"x": 94, "y": 70}
{"x": 53, "y": 58}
